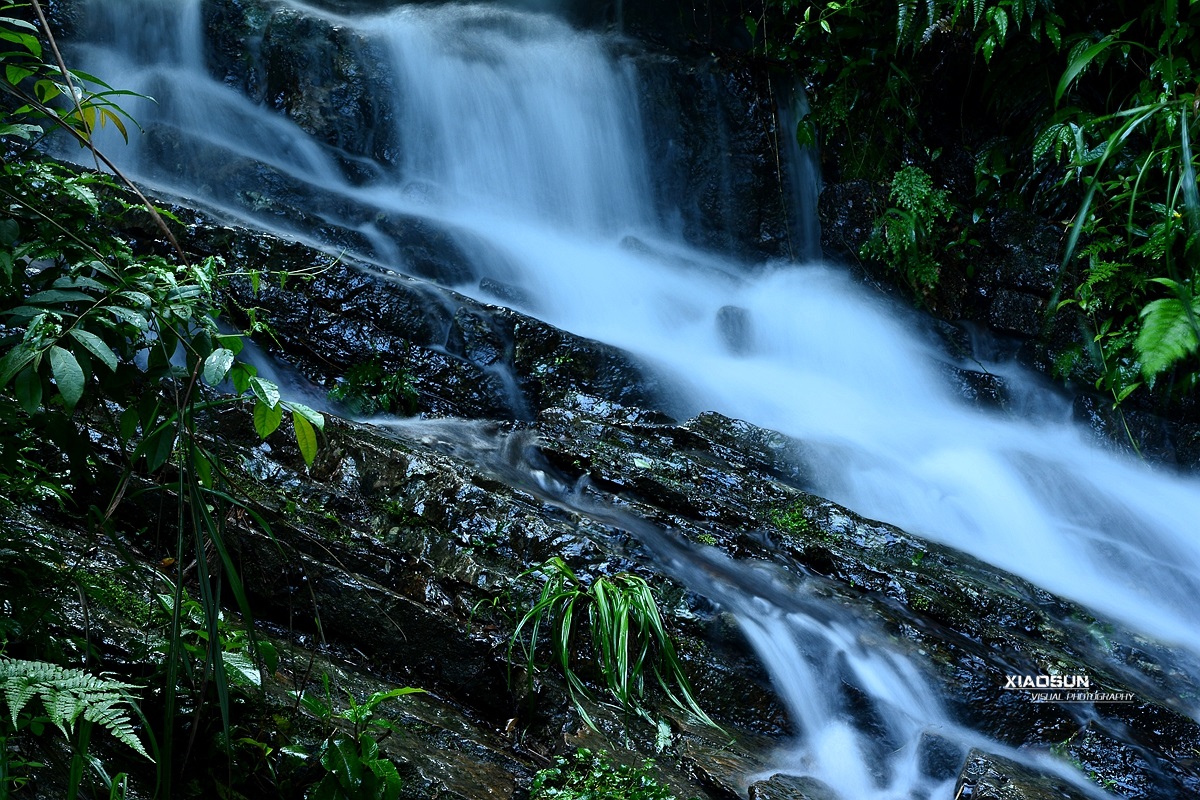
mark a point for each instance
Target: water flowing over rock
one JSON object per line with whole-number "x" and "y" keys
{"x": 439, "y": 159}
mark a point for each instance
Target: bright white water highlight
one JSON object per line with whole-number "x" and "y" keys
{"x": 526, "y": 138}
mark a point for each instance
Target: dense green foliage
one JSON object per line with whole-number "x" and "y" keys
{"x": 1082, "y": 112}
{"x": 111, "y": 355}
{"x": 590, "y": 775}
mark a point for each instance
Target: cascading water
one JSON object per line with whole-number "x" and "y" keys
{"x": 523, "y": 138}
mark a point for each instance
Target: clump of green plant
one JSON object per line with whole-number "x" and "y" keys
{"x": 369, "y": 388}
{"x": 589, "y": 775}
{"x": 617, "y": 617}
{"x": 913, "y": 235}
{"x": 792, "y": 519}
{"x": 354, "y": 767}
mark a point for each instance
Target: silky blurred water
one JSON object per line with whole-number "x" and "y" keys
{"x": 526, "y": 138}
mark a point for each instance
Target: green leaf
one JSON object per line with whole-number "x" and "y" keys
{"x": 135, "y": 318}
{"x": 217, "y": 366}
{"x": 78, "y": 282}
{"x": 58, "y": 296}
{"x": 1079, "y": 64}
{"x": 315, "y": 417}
{"x": 342, "y": 761}
{"x": 999, "y": 18}
{"x": 306, "y": 437}
{"x": 158, "y": 446}
{"x": 67, "y": 375}
{"x": 10, "y": 231}
{"x": 28, "y": 390}
{"x": 1054, "y": 35}
{"x": 241, "y": 375}
{"x": 96, "y": 346}
{"x": 989, "y": 45}
{"x": 28, "y": 41}
{"x": 233, "y": 343}
{"x": 1168, "y": 334}
{"x": 241, "y": 669}
{"x": 14, "y": 361}
{"x": 129, "y": 423}
{"x": 266, "y": 418}
{"x": 265, "y": 391}
{"x": 204, "y": 469}
{"x": 16, "y": 73}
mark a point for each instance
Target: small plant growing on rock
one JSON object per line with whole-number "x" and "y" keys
{"x": 792, "y": 520}
{"x": 595, "y": 776}
{"x": 909, "y": 236}
{"x": 369, "y": 388}
{"x": 625, "y": 631}
{"x": 354, "y": 767}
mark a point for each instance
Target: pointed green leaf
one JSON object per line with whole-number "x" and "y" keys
{"x": 10, "y": 231}
{"x": 134, "y": 318}
{"x": 233, "y": 343}
{"x": 241, "y": 375}
{"x": 315, "y": 417}
{"x": 266, "y": 418}
{"x": 341, "y": 759}
{"x": 129, "y": 423}
{"x": 16, "y": 74}
{"x": 306, "y": 437}
{"x": 67, "y": 375}
{"x": 96, "y": 346}
{"x": 28, "y": 390}
{"x": 1079, "y": 64}
{"x": 14, "y": 361}
{"x": 158, "y": 447}
{"x": 59, "y": 296}
{"x": 265, "y": 391}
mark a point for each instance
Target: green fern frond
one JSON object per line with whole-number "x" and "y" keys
{"x": 68, "y": 694}
{"x": 1169, "y": 333}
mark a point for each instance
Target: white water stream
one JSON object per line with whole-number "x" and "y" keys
{"x": 526, "y": 136}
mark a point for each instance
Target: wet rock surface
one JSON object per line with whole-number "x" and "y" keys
{"x": 991, "y": 777}
{"x": 400, "y": 533}
{"x": 713, "y": 138}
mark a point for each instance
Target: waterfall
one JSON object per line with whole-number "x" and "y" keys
{"x": 524, "y": 137}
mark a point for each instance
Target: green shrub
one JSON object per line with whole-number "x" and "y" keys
{"x": 369, "y": 388}
{"x": 913, "y": 235}
{"x": 595, "y": 776}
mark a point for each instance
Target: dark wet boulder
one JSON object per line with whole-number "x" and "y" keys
{"x": 790, "y": 787}
{"x": 991, "y": 777}
{"x": 329, "y": 80}
{"x": 711, "y": 129}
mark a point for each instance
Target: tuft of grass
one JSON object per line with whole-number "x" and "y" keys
{"x": 626, "y": 633}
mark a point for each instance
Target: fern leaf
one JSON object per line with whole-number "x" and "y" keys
{"x": 1168, "y": 334}
{"x": 17, "y": 694}
{"x": 116, "y": 720}
{"x": 67, "y": 694}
